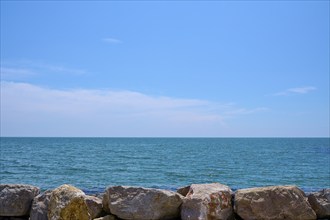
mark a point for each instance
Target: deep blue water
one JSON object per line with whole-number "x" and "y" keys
{"x": 95, "y": 163}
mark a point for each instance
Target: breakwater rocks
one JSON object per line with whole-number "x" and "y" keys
{"x": 196, "y": 202}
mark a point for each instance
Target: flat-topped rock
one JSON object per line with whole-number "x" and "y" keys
{"x": 16, "y": 199}
{"x": 207, "y": 202}
{"x": 138, "y": 203}
{"x": 274, "y": 202}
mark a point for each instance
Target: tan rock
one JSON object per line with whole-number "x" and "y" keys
{"x": 142, "y": 203}
{"x": 105, "y": 201}
{"x": 274, "y": 202}
{"x": 207, "y": 202}
{"x": 68, "y": 203}
{"x": 16, "y": 199}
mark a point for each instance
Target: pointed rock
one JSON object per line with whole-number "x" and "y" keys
{"x": 39, "y": 207}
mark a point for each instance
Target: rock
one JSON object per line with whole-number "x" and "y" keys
{"x": 107, "y": 217}
{"x": 207, "y": 202}
{"x": 68, "y": 203}
{"x": 320, "y": 202}
{"x": 16, "y": 199}
{"x": 105, "y": 202}
{"x": 142, "y": 203}
{"x": 94, "y": 206}
{"x": 39, "y": 207}
{"x": 274, "y": 202}
{"x": 183, "y": 190}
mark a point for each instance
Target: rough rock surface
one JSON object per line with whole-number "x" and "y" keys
{"x": 107, "y": 217}
{"x": 207, "y": 202}
{"x": 142, "y": 203}
{"x": 39, "y": 207}
{"x": 320, "y": 202}
{"x": 274, "y": 202}
{"x": 94, "y": 205}
{"x": 105, "y": 201}
{"x": 16, "y": 199}
{"x": 67, "y": 203}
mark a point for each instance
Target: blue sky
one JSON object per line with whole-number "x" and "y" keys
{"x": 206, "y": 69}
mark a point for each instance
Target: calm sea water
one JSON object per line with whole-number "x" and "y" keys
{"x": 95, "y": 163}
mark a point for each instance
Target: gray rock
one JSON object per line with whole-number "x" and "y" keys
{"x": 320, "y": 202}
{"x": 142, "y": 203}
{"x": 16, "y": 199}
{"x": 68, "y": 203}
{"x": 39, "y": 207}
{"x": 94, "y": 205}
{"x": 207, "y": 202}
{"x": 274, "y": 202}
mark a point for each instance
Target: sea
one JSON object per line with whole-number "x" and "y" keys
{"x": 92, "y": 164}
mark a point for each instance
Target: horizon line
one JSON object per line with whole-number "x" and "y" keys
{"x": 164, "y": 137}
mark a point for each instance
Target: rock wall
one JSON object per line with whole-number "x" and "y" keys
{"x": 196, "y": 202}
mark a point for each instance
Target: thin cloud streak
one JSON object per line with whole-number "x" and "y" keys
{"x": 25, "y": 68}
{"x": 302, "y": 90}
{"x": 297, "y": 90}
{"x": 15, "y": 73}
{"x": 112, "y": 40}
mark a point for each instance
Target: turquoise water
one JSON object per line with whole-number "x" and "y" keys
{"x": 95, "y": 163}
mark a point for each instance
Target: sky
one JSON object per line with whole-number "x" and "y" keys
{"x": 165, "y": 68}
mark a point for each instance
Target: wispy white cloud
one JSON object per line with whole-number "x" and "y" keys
{"x": 15, "y": 73}
{"x": 297, "y": 90}
{"x": 109, "y": 113}
{"x": 244, "y": 111}
{"x": 302, "y": 90}
{"x": 112, "y": 40}
{"x": 60, "y": 69}
{"x": 18, "y": 70}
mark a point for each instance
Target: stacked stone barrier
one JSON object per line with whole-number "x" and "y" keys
{"x": 195, "y": 202}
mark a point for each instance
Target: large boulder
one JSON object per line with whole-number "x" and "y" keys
{"x": 16, "y": 199}
{"x": 142, "y": 203}
{"x": 207, "y": 202}
{"x": 39, "y": 207}
{"x": 68, "y": 203}
{"x": 320, "y": 202}
{"x": 274, "y": 202}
